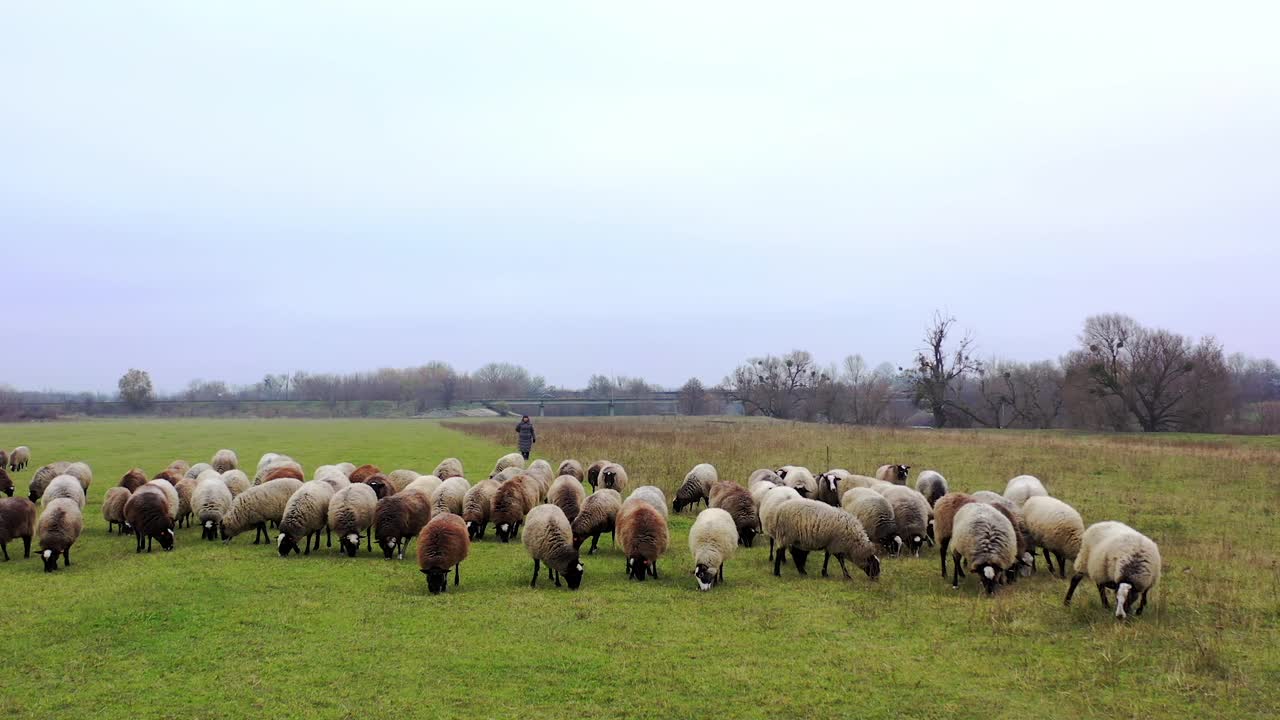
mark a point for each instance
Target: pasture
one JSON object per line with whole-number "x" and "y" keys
{"x": 227, "y": 631}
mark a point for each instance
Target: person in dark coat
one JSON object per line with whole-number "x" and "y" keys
{"x": 525, "y": 431}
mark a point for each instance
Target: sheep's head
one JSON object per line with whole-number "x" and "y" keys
{"x": 437, "y": 580}
{"x": 50, "y": 558}
{"x": 388, "y": 545}
{"x": 33, "y": 496}
{"x": 578, "y": 540}
{"x": 285, "y": 543}
{"x": 746, "y": 536}
{"x": 915, "y": 542}
{"x": 505, "y": 531}
{"x": 610, "y": 479}
{"x": 166, "y": 538}
{"x": 574, "y": 574}
{"x": 350, "y": 543}
{"x": 990, "y": 577}
{"x": 473, "y": 529}
{"x": 872, "y": 567}
{"x": 381, "y": 488}
{"x": 901, "y": 471}
{"x": 706, "y": 575}
{"x": 828, "y": 482}
{"x": 680, "y": 502}
{"x": 638, "y": 567}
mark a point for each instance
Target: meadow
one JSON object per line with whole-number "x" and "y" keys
{"x": 216, "y": 630}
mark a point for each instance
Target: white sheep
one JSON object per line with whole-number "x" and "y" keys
{"x": 425, "y": 484}
{"x": 1023, "y": 487}
{"x": 1054, "y": 526}
{"x": 768, "y": 509}
{"x": 210, "y": 502}
{"x": 305, "y": 515}
{"x": 803, "y": 526}
{"x": 549, "y": 539}
{"x": 224, "y": 460}
{"x": 799, "y": 478}
{"x": 696, "y": 486}
{"x": 712, "y": 540}
{"x": 652, "y": 495}
{"x": 1115, "y": 556}
{"x": 332, "y": 475}
{"x": 449, "y": 496}
{"x": 63, "y": 486}
{"x": 875, "y": 513}
{"x": 351, "y": 513}
{"x": 984, "y": 539}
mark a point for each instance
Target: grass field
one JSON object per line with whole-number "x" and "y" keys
{"x": 228, "y": 631}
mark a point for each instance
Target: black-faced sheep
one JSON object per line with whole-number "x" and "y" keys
{"x": 643, "y": 534}
{"x": 910, "y": 513}
{"x": 305, "y": 515}
{"x": 567, "y": 494}
{"x": 799, "y": 479}
{"x": 476, "y": 506}
{"x": 549, "y": 539}
{"x": 398, "y": 519}
{"x": 147, "y": 512}
{"x": 696, "y": 487}
{"x": 1117, "y": 557}
{"x": 984, "y": 540}
{"x": 363, "y": 473}
{"x": 442, "y": 544}
{"x": 351, "y": 512}
{"x": 712, "y": 540}
{"x": 593, "y": 472}
{"x": 614, "y": 477}
{"x": 598, "y": 516}
{"x": 896, "y": 474}
{"x": 17, "y": 520}
{"x": 113, "y": 508}
{"x": 803, "y": 526}
{"x": 734, "y": 499}
{"x": 60, "y": 525}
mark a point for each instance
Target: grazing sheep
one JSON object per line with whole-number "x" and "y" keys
{"x": 931, "y": 485}
{"x": 760, "y": 488}
{"x": 541, "y": 470}
{"x": 1055, "y": 527}
{"x": 81, "y": 472}
{"x": 875, "y": 513}
{"x": 43, "y": 477}
{"x": 652, "y": 495}
{"x": 507, "y": 474}
{"x": 944, "y": 513}
{"x": 598, "y": 516}
{"x": 170, "y": 476}
{"x": 133, "y": 479}
{"x": 211, "y": 502}
{"x": 64, "y": 486}
{"x": 333, "y": 476}
{"x": 510, "y": 460}
{"x": 236, "y": 481}
{"x": 425, "y": 484}
{"x": 276, "y": 472}
{"x": 268, "y": 458}
{"x": 442, "y": 544}
{"x": 186, "y": 487}
{"x": 147, "y": 512}
{"x": 448, "y": 467}
{"x": 593, "y": 473}
{"x": 6, "y": 483}
{"x": 800, "y": 479}
{"x": 351, "y": 513}
{"x": 224, "y": 460}
{"x": 346, "y": 468}
{"x": 449, "y": 496}
{"x": 179, "y": 466}
{"x": 696, "y": 486}
{"x": 398, "y": 519}
{"x": 476, "y": 505}
{"x": 733, "y": 498}
{"x": 910, "y": 513}
{"x": 1023, "y": 487}
{"x": 549, "y": 538}
{"x": 1117, "y": 557}
{"x": 19, "y": 458}
{"x": 400, "y": 479}
{"x": 712, "y": 540}
{"x": 983, "y": 538}
{"x": 896, "y": 474}
{"x": 194, "y": 471}
{"x": 643, "y": 534}
{"x": 572, "y": 468}
{"x": 764, "y": 474}
{"x": 259, "y": 505}
{"x": 305, "y": 515}
{"x": 379, "y": 484}
{"x": 614, "y": 477}
{"x": 567, "y": 494}
{"x": 170, "y": 494}
{"x": 803, "y": 526}
{"x": 17, "y": 520}
{"x": 60, "y": 526}
{"x": 113, "y": 508}
{"x": 768, "y": 510}
{"x": 1026, "y": 561}
{"x": 511, "y": 502}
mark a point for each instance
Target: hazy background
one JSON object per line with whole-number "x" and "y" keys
{"x": 225, "y": 190}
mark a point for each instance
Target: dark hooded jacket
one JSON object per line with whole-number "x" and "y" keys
{"x": 527, "y": 438}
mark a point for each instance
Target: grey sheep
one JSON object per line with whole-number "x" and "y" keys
{"x": 652, "y": 495}
{"x": 598, "y": 516}
{"x": 259, "y": 505}
{"x": 910, "y": 513}
{"x": 449, "y": 467}
{"x": 876, "y": 515}
{"x": 983, "y": 538}
{"x": 60, "y": 525}
{"x": 696, "y": 486}
{"x": 194, "y": 471}
{"x": 567, "y": 494}
{"x": 43, "y": 477}
{"x": 476, "y": 505}
{"x": 113, "y": 508}
{"x": 351, "y": 514}
{"x": 803, "y": 526}
{"x": 305, "y": 515}
{"x": 932, "y": 485}
{"x": 549, "y": 539}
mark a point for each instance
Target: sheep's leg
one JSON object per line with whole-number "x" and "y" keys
{"x": 777, "y": 564}
{"x": 537, "y": 566}
{"x": 1062, "y": 564}
{"x": 844, "y": 568}
{"x": 368, "y": 538}
{"x": 1141, "y": 604}
{"x": 1071, "y": 589}
{"x": 149, "y": 539}
{"x": 138, "y": 539}
{"x": 328, "y": 536}
{"x": 942, "y": 551}
{"x": 770, "y": 548}
{"x": 455, "y": 574}
{"x": 595, "y": 540}
{"x": 654, "y": 568}
{"x": 826, "y": 560}
{"x": 1102, "y": 593}
{"x": 66, "y": 558}
{"x": 5, "y": 547}
{"x": 556, "y": 576}
{"x": 26, "y": 546}
{"x": 955, "y": 570}
{"x": 1048, "y": 559}
{"x": 720, "y": 574}
{"x": 799, "y": 557}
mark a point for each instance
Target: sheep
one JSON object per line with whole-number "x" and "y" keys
{"x": 19, "y": 458}
{"x": 64, "y": 486}
{"x": 800, "y": 479}
{"x": 507, "y": 474}
{"x": 448, "y": 467}
{"x": 276, "y": 472}
{"x": 593, "y": 473}
{"x": 567, "y": 494}
{"x": 696, "y": 486}
{"x": 43, "y": 476}
{"x": 875, "y": 513}
{"x": 1023, "y": 487}
{"x": 17, "y": 520}
{"x": 910, "y": 513}
{"x": 351, "y": 513}
{"x": 614, "y": 477}
{"x": 476, "y": 505}
{"x": 333, "y": 476}
{"x": 399, "y": 518}
{"x": 4, "y": 460}
{"x": 194, "y": 471}
{"x": 549, "y": 538}
{"x": 573, "y": 468}
{"x": 932, "y": 485}
{"x": 170, "y": 476}
{"x": 236, "y": 481}
{"x": 506, "y": 461}
{"x": 186, "y": 488}
{"x": 1117, "y": 557}
{"x": 170, "y": 494}
{"x": 60, "y": 526}
{"x": 712, "y": 540}
{"x": 760, "y": 488}
{"x": 598, "y": 516}
{"x": 1053, "y": 526}
{"x": 6, "y": 483}
{"x": 400, "y": 479}
{"x": 733, "y": 498}
{"x": 768, "y": 509}
{"x": 346, "y": 468}
{"x": 224, "y": 460}
{"x": 643, "y": 534}
{"x": 896, "y": 474}
{"x": 257, "y": 506}
{"x": 425, "y": 484}
{"x": 511, "y": 502}
{"x": 133, "y": 479}
{"x": 442, "y": 544}
{"x": 147, "y": 512}
{"x": 944, "y": 512}
{"x": 275, "y": 463}
{"x": 803, "y": 526}
{"x": 1026, "y": 561}
{"x": 652, "y": 495}
{"x": 379, "y": 484}
{"x": 210, "y": 502}
{"x": 832, "y": 485}
{"x": 984, "y": 539}
{"x": 268, "y": 458}
{"x": 179, "y": 466}
{"x": 449, "y": 496}
{"x": 113, "y": 508}
{"x": 541, "y": 470}
{"x": 305, "y": 515}
{"x": 764, "y": 474}
{"x": 81, "y": 472}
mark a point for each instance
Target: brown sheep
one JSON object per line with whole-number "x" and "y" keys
{"x": 113, "y": 508}
{"x": 598, "y": 516}
{"x": 511, "y": 502}
{"x": 643, "y": 535}
{"x": 398, "y": 518}
{"x": 571, "y": 467}
{"x": 442, "y": 544}
{"x": 284, "y": 471}
{"x": 736, "y": 500}
{"x": 6, "y": 482}
{"x": 133, "y": 479}
{"x": 17, "y": 520}
{"x": 363, "y": 473}
{"x": 944, "y": 515}
{"x": 567, "y": 494}
{"x": 476, "y": 506}
{"x": 593, "y": 473}
{"x": 381, "y": 486}
{"x": 148, "y": 512}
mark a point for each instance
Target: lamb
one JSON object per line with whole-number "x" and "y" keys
{"x": 598, "y": 516}
{"x": 768, "y": 510}
{"x": 803, "y": 526}
{"x": 572, "y": 468}
{"x": 63, "y": 486}
{"x": 425, "y": 484}
{"x": 113, "y": 508}
{"x": 400, "y": 479}
{"x": 133, "y": 479}
{"x": 305, "y": 515}
{"x": 476, "y": 505}
{"x": 1055, "y": 527}
{"x": 6, "y": 483}
{"x": 593, "y": 473}
{"x": 652, "y": 495}
{"x": 399, "y": 518}
{"x": 896, "y": 474}
{"x": 696, "y": 486}
{"x": 931, "y": 485}
{"x": 442, "y": 544}
{"x": 800, "y": 479}
{"x": 379, "y": 484}
{"x": 194, "y": 471}
{"x": 449, "y": 496}
{"x": 511, "y": 502}
{"x": 259, "y": 505}
{"x": 186, "y": 488}
{"x": 549, "y": 538}
{"x": 643, "y": 534}
{"x": 875, "y": 513}
{"x": 1114, "y": 555}
{"x": 733, "y": 498}
{"x": 170, "y": 494}
{"x": 449, "y": 467}
{"x": 60, "y": 526}
{"x": 43, "y": 476}
{"x": 1023, "y": 487}
{"x": 911, "y": 514}
{"x": 19, "y": 458}
{"x": 567, "y": 494}
{"x": 210, "y": 502}
{"x": 224, "y": 460}
{"x": 984, "y": 539}
{"x": 81, "y": 472}
{"x": 147, "y": 512}
{"x": 236, "y": 481}
{"x": 17, "y": 520}
{"x": 351, "y": 513}
{"x": 712, "y": 540}
{"x": 506, "y": 461}
{"x": 614, "y": 477}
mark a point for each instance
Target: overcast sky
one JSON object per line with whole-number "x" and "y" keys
{"x": 219, "y": 190}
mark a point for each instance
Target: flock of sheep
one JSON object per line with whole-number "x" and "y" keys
{"x": 853, "y": 518}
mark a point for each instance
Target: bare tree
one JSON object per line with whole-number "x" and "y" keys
{"x": 938, "y": 371}
{"x": 692, "y": 398}
{"x": 775, "y": 386}
{"x": 869, "y": 390}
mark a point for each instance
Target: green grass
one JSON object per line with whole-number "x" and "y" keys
{"x": 214, "y": 631}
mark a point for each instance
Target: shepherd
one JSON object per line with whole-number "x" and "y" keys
{"x": 527, "y": 438}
